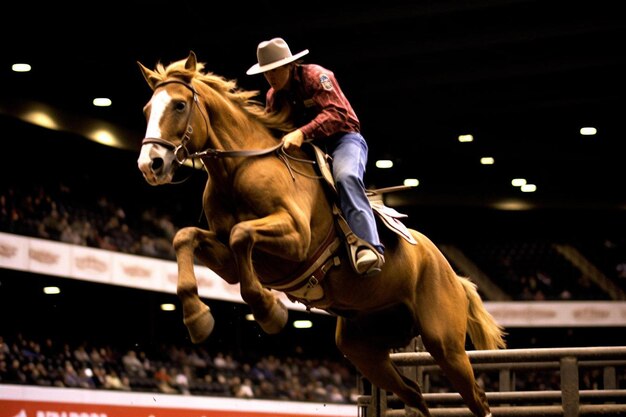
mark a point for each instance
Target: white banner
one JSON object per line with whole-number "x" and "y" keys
{"x": 559, "y": 313}
{"x": 90, "y": 264}
{"x": 78, "y": 262}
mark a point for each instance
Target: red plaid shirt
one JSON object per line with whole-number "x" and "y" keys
{"x": 319, "y": 107}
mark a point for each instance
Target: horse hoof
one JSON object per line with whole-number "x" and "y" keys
{"x": 421, "y": 411}
{"x": 412, "y": 412}
{"x": 276, "y": 319}
{"x": 200, "y": 325}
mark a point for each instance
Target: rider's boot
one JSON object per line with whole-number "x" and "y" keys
{"x": 368, "y": 262}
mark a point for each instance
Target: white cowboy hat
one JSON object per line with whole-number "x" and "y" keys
{"x": 273, "y": 54}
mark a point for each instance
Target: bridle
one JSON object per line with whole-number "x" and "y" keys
{"x": 181, "y": 153}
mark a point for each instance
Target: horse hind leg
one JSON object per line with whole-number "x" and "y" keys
{"x": 448, "y": 349}
{"x": 454, "y": 362}
{"x": 375, "y": 364}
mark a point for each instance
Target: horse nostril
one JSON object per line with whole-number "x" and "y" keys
{"x": 157, "y": 164}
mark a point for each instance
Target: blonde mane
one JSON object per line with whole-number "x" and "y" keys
{"x": 228, "y": 89}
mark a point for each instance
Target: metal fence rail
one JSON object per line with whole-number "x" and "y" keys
{"x": 569, "y": 401}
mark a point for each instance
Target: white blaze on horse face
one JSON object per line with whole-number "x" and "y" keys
{"x": 164, "y": 172}
{"x": 158, "y": 104}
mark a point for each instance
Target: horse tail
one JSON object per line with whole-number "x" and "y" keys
{"x": 483, "y": 329}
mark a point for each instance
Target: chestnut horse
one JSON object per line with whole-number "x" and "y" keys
{"x": 271, "y": 227}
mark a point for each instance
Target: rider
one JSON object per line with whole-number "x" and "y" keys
{"x": 324, "y": 115}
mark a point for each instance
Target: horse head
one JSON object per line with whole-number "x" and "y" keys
{"x": 176, "y": 124}
{"x": 196, "y": 114}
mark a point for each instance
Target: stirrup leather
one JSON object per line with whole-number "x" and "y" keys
{"x": 354, "y": 243}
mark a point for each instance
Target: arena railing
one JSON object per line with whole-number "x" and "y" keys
{"x": 568, "y": 401}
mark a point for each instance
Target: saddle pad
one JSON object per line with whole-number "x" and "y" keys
{"x": 390, "y": 217}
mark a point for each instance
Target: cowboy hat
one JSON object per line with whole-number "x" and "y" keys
{"x": 273, "y": 54}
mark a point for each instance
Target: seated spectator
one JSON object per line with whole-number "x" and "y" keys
{"x": 164, "y": 381}
{"x": 180, "y": 380}
{"x": 243, "y": 389}
{"x": 113, "y": 381}
{"x": 132, "y": 364}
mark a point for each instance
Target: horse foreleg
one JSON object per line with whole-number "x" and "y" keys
{"x": 375, "y": 364}
{"x": 275, "y": 234}
{"x": 189, "y": 242}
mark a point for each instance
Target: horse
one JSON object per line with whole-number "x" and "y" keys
{"x": 272, "y": 228}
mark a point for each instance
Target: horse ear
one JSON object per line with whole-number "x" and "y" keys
{"x": 191, "y": 62}
{"x": 149, "y": 75}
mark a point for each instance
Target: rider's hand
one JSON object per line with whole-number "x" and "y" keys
{"x": 294, "y": 138}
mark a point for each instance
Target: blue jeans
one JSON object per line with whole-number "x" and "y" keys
{"x": 349, "y": 153}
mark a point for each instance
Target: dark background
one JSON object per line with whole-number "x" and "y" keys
{"x": 522, "y": 76}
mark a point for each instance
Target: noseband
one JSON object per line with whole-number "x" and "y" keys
{"x": 181, "y": 153}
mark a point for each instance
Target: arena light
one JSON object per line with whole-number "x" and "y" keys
{"x": 518, "y": 182}
{"x": 528, "y": 188}
{"x": 51, "y": 290}
{"x": 384, "y": 163}
{"x": 21, "y": 67}
{"x": 168, "y": 307}
{"x": 466, "y": 138}
{"x": 588, "y": 131}
{"x": 102, "y": 102}
{"x": 512, "y": 205}
{"x": 104, "y": 137}
{"x": 41, "y": 118}
{"x": 487, "y": 160}
{"x": 411, "y": 182}
{"x": 303, "y": 324}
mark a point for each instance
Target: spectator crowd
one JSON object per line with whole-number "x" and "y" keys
{"x": 174, "y": 370}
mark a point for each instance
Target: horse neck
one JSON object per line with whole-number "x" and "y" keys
{"x": 231, "y": 129}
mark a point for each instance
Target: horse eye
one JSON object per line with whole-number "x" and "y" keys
{"x": 180, "y": 106}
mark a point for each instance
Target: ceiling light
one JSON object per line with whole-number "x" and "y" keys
{"x": 384, "y": 163}
{"x": 518, "y": 182}
{"x": 303, "y": 324}
{"x": 487, "y": 160}
{"x": 466, "y": 138}
{"x": 102, "y": 102}
{"x": 528, "y": 188}
{"x": 411, "y": 182}
{"x": 588, "y": 131}
{"x": 51, "y": 290}
{"x": 168, "y": 307}
{"x": 21, "y": 67}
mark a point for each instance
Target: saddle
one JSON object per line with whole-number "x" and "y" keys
{"x": 306, "y": 287}
{"x": 388, "y": 216}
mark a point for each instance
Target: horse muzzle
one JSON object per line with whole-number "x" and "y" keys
{"x": 157, "y": 163}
